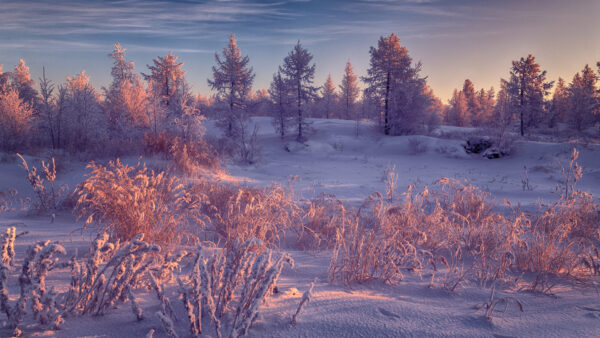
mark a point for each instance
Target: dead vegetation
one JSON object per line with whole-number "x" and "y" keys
{"x": 453, "y": 230}
{"x": 128, "y": 200}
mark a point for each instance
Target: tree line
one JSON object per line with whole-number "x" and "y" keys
{"x": 158, "y": 104}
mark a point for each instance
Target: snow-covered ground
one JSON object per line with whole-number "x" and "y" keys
{"x": 336, "y": 161}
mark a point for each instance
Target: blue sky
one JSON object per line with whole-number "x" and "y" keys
{"x": 453, "y": 39}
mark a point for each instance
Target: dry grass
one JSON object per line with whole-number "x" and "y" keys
{"x": 129, "y": 200}
{"x": 322, "y": 217}
{"x": 186, "y": 155}
{"x": 453, "y": 224}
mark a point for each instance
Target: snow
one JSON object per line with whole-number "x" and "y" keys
{"x": 336, "y": 161}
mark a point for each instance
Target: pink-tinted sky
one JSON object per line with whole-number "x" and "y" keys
{"x": 453, "y": 39}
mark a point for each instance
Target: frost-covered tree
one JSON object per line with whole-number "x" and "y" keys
{"x": 156, "y": 111}
{"x": 409, "y": 103}
{"x": 134, "y": 102}
{"x": 232, "y": 79}
{"x": 299, "y": 74}
{"x": 122, "y": 75}
{"x": 559, "y": 106}
{"x": 395, "y": 81}
{"x": 22, "y": 82}
{"x": 473, "y": 107}
{"x": 280, "y": 104}
{"x": 583, "y": 99}
{"x": 84, "y": 121}
{"x": 487, "y": 102}
{"x": 167, "y": 79}
{"x": 433, "y": 114}
{"x": 527, "y": 88}
{"x": 4, "y": 81}
{"x": 16, "y": 117}
{"x": 349, "y": 92}
{"x": 329, "y": 97}
{"x": 502, "y": 118}
{"x": 48, "y": 113}
{"x": 458, "y": 109}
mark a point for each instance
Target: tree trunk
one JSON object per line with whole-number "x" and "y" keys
{"x": 522, "y": 103}
{"x": 386, "y": 126}
{"x": 300, "y": 138}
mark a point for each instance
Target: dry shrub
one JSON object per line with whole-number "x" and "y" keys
{"x": 39, "y": 260}
{"x": 99, "y": 282}
{"x": 489, "y": 307}
{"x": 562, "y": 239}
{"x": 454, "y": 224}
{"x": 361, "y": 255}
{"x": 230, "y": 286}
{"x": 374, "y": 244}
{"x": 322, "y": 216}
{"x": 241, "y": 213}
{"x": 445, "y": 225}
{"x": 49, "y": 197}
{"x": 8, "y": 200}
{"x": 129, "y": 200}
{"x": 186, "y": 155}
{"x": 157, "y": 143}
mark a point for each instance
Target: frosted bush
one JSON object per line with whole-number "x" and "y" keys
{"x": 49, "y": 197}
{"x": 322, "y": 216}
{"x": 38, "y": 262}
{"x": 229, "y": 287}
{"x": 240, "y": 213}
{"x": 128, "y": 200}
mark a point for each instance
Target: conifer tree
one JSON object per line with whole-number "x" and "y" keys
{"x": 349, "y": 91}
{"x": 124, "y": 83}
{"x": 396, "y": 83}
{"x": 473, "y": 108}
{"x": 232, "y": 79}
{"x": 22, "y": 82}
{"x": 299, "y": 74}
{"x": 559, "y": 105}
{"x": 167, "y": 79}
{"x": 280, "y": 99}
{"x": 328, "y": 97}
{"x": 458, "y": 109}
{"x": 486, "y": 101}
{"x": 47, "y": 110}
{"x": 83, "y": 113}
{"x": 583, "y": 98}
{"x": 527, "y": 87}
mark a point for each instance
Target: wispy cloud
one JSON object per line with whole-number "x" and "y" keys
{"x": 132, "y": 17}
